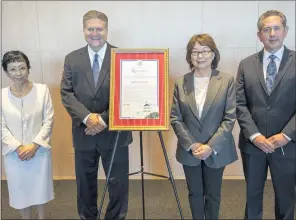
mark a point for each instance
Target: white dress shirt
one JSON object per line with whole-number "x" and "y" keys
{"x": 277, "y": 60}
{"x": 92, "y": 54}
{"x": 101, "y": 54}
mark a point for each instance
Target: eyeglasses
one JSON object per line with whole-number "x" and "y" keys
{"x": 204, "y": 53}
{"x": 267, "y": 30}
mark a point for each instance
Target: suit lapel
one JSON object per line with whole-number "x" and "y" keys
{"x": 105, "y": 67}
{"x": 213, "y": 88}
{"x": 258, "y": 63}
{"x": 87, "y": 68}
{"x": 189, "y": 92}
{"x": 285, "y": 63}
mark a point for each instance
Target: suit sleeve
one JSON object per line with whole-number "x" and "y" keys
{"x": 243, "y": 114}
{"x": 185, "y": 138}
{"x": 105, "y": 117}
{"x": 289, "y": 129}
{"x": 77, "y": 110}
{"x": 228, "y": 121}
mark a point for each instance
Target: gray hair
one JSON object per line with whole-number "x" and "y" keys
{"x": 271, "y": 13}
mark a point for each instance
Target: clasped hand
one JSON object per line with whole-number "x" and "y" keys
{"x": 268, "y": 145}
{"x": 201, "y": 151}
{"x": 27, "y": 152}
{"x": 94, "y": 125}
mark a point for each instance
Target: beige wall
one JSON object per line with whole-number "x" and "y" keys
{"x": 47, "y": 31}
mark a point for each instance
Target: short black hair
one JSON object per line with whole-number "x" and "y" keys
{"x": 14, "y": 56}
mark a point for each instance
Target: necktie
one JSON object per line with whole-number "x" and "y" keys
{"x": 96, "y": 69}
{"x": 271, "y": 72}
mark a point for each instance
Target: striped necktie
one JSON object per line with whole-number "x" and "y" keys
{"x": 96, "y": 69}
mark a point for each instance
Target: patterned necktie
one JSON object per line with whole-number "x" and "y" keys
{"x": 96, "y": 69}
{"x": 271, "y": 72}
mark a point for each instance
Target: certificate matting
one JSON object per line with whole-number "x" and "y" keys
{"x": 139, "y": 89}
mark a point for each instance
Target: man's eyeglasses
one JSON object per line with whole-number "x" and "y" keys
{"x": 267, "y": 30}
{"x": 204, "y": 53}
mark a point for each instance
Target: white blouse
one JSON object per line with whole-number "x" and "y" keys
{"x": 200, "y": 88}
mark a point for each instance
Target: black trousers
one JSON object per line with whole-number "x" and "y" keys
{"x": 282, "y": 171}
{"x": 86, "y": 168}
{"x": 204, "y": 187}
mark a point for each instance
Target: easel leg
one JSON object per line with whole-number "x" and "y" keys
{"x": 108, "y": 175}
{"x": 171, "y": 178}
{"x": 142, "y": 174}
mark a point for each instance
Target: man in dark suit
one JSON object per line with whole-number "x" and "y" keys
{"x": 85, "y": 95}
{"x": 265, "y": 93}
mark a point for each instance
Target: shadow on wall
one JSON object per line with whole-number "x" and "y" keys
{"x": 62, "y": 146}
{"x": 157, "y": 160}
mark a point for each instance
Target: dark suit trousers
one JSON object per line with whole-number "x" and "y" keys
{"x": 282, "y": 173}
{"x": 86, "y": 167}
{"x": 204, "y": 187}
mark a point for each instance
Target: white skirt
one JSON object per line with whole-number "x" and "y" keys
{"x": 29, "y": 182}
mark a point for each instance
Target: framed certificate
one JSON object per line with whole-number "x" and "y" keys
{"x": 139, "y": 89}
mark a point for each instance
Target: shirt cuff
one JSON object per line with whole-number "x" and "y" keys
{"x": 254, "y": 136}
{"x": 289, "y": 139}
{"x": 190, "y": 147}
{"x": 85, "y": 120}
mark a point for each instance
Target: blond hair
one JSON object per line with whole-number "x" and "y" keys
{"x": 95, "y": 14}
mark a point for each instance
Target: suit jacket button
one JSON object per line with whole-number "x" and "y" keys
{"x": 268, "y": 107}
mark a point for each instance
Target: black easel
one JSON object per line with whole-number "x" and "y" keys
{"x": 170, "y": 177}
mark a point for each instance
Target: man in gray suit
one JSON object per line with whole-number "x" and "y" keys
{"x": 85, "y": 95}
{"x": 265, "y": 92}
{"x": 203, "y": 116}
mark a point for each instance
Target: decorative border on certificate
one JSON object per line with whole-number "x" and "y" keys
{"x": 139, "y": 89}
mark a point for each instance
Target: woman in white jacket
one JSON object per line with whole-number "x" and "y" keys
{"x": 27, "y": 120}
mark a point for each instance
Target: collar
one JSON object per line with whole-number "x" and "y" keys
{"x": 101, "y": 52}
{"x": 278, "y": 54}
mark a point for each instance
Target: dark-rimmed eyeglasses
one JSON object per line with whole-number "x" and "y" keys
{"x": 204, "y": 53}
